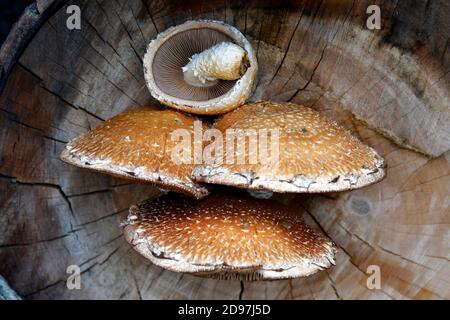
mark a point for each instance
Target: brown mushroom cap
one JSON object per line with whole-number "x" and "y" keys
{"x": 137, "y": 145}
{"x": 171, "y": 50}
{"x": 227, "y": 236}
{"x": 315, "y": 154}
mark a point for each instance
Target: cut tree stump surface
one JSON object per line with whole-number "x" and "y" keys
{"x": 390, "y": 87}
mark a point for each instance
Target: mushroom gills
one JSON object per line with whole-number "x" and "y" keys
{"x": 224, "y": 61}
{"x": 174, "y": 54}
{"x": 202, "y": 67}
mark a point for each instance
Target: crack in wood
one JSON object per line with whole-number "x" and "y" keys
{"x": 26, "y": 244}
{"x": 316, "y": 221}
{"x": 136, "y": 284}
{"x": 358, "y": 268}
{"x": 100, "y": 219}
{"x": 405, "y": 259}
{"x": 145, "y": 4}
{"x": 291, "y": 289}
{"x": 157, "y": 276}
{"x": 241, "y": 291}
{"x": 322, "y": 53}
{"x": 90, "y": 259}
{"x": 333, "y": 285}
{"x": 6, "y": 292}
{"x": 106, "y": 42}
{"x": 43, "y": 184}
{"x": 258, "y": 10}
{"x": 105, "y": 76}
{"x": 137, "y": 24}
{"x": 43, "y": 86}
{"x": 58, "y": 282}
{"x": 89, "y": 193}
{"x": 109, "y": 256}
{"x": 288, "y": 47}
{"x": 131, "y": 41}
{"x": 437, "y": 257}
{"x": 308, "y": 82}
{"x": 372, "y": 247}
{"x": 13, "y": 117}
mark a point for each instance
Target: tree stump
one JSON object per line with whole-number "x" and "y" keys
{"x": 390, "y": 87}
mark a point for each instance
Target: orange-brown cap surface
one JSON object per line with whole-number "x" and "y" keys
{"x": 137, "y": 145}
{"x": 313, "y": 154}
{"x": 227, "y": 236}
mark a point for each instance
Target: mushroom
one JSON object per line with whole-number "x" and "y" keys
{"x": 314, "y": 154}
{"x": 201, "y": 67}
{"x": 137, "y": 145}
{"x": 224, "y": 61}
{"x": 227, "y": 236}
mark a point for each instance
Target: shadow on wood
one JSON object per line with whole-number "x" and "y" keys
{"x": 390, "y": 87}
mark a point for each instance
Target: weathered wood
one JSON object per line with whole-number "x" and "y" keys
{"x": 390, "y": 87}
{"x": 22, "y": 32}
{"x": 6, "y": 293}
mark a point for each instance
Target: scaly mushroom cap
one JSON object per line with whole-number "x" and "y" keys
{"x": 314, "y": 154}
{"x": 137, "y": 145}
{"x": 227, "y": 236}
{"x": 172, "y": 50}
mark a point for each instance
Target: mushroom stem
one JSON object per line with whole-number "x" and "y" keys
{"x": 260, "y": 194}
{"x": 224, "y": 61}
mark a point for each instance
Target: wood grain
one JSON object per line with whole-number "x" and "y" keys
{"x": 390, "y": 87}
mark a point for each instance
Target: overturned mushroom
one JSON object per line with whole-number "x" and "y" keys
{"x": 137, "y": 145}
{"x": 201, "y": 67}
{"x": 227, "y": 236}
{"x": 312, "y": 154}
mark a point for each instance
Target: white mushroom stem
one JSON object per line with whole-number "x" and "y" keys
{"x": 224, "y": 61}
